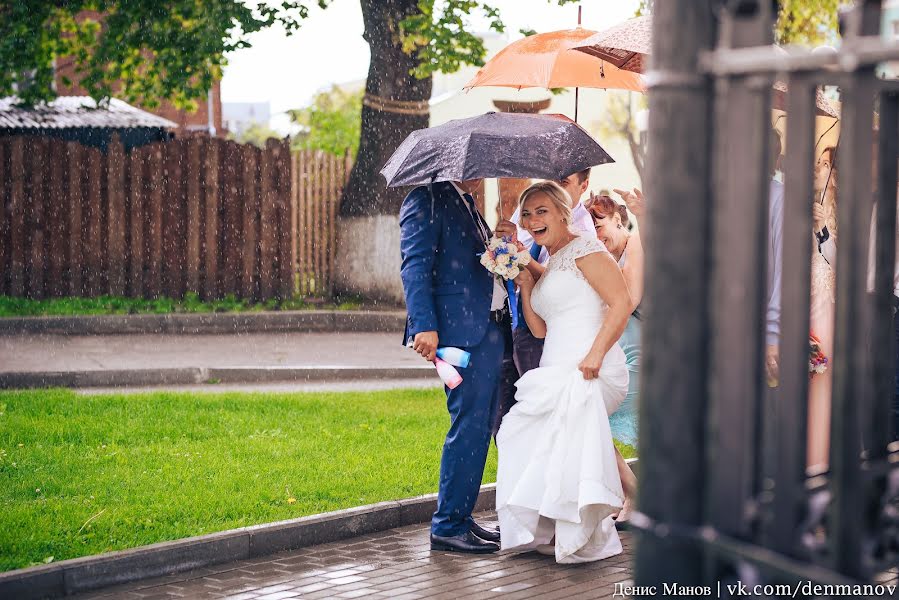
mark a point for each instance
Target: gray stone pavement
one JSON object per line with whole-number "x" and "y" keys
{"x": 396, "y": 564}
{"x": 39, "y": 353}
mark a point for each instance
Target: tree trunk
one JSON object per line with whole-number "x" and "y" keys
{"x": 383, "y": 129}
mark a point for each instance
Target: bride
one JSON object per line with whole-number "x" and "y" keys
{"x": 557, "y": 480}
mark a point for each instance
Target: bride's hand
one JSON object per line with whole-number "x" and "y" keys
{"x": 524, "y": 279}
{"x": 591, "y": 364}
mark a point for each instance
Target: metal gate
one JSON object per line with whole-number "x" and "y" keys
{"x": 725, "y": 502}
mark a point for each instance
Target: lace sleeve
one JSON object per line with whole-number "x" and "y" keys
{"x": 576, "y": 249}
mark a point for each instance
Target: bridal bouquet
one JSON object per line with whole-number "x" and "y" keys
{"x": 817, "y": 361}
{"x": 505, "y": 257}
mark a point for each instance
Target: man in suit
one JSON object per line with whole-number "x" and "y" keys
{"x": 452, "y": 300}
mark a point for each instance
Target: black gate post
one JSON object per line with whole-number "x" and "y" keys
{"x": 673, "y": 371}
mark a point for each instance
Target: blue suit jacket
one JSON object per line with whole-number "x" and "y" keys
{"x": 447, "y": 290}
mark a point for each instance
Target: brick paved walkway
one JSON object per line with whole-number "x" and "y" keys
{"x": 394, "y": 564}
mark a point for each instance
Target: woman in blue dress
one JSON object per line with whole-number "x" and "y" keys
{"x": 611, "y": 222}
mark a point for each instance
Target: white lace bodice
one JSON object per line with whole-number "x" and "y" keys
{"x": 572, "y": 309}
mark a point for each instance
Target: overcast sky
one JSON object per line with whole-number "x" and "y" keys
{"x": 287, "y": 71}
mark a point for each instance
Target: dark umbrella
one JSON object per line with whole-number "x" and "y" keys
{"x": 494, "y": 145}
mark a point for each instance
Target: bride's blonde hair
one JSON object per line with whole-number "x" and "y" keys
{"x": 554, "y": 192}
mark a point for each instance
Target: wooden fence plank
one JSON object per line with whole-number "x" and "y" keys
{"x": 302, "y": 178}
{"x": 266, "y": 222}
{"x": 115, "y": 216}
{"x": 5, "y": 180}
{"x": 153, "y": 214}
{"x": 74, "y": 169}
{"x": 192, "y": 238}
{"x": 17, "y": 217}
{"x": 232, "y": 177}
{"x": 57, "y": 210}
{"x": 173, "y": 246}
{"x": 317, "y": 195}
{"x": 136, "y": 221}
{"x": 286, "y": 222}
{"x": 36, "y": 155}
{"x": 249, "y": 223}
{"x": 93, "y": 250}
{"x": 211, "y": 207}
{"x": 332, "y": 220}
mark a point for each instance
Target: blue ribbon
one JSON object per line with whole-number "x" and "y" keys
{"x": 514, "y": 304}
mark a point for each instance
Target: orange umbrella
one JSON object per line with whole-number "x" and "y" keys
{"x": 547, "y": 60}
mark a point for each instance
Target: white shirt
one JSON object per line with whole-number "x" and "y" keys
{"x": 581, "y": 224}
{"x": 499, "y": 290}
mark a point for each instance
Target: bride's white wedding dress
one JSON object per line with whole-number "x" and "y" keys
{"x": 557, "y": 475}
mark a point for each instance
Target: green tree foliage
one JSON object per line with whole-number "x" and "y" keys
{"x": 333, "y": 122}
{"x": 256, "y": 134}
{"x": 137, "y": 50}
{"x": 807, "y": 22}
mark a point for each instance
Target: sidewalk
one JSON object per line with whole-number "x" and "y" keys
{"x": 396, "y": 564}
{"x": 33, "y": 360}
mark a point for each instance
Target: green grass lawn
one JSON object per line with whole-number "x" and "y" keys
{"x": 81, "y": 475}
{"x": 191, "y": 303}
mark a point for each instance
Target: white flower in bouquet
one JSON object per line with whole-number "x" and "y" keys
{"x": 501, "y": 270}
{"x": 505, "y": 257}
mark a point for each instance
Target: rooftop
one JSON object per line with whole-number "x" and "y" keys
{"x": 77, "y": 111}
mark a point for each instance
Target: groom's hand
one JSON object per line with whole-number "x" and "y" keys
{"x": 425, "y": 343}
{"x": 508, "y": 229}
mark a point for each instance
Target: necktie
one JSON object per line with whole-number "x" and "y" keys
{"x": 482, "y": 229}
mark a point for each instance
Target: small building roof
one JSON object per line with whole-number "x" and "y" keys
{"x": 77, "y": 111}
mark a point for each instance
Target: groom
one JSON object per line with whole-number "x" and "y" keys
{"x": 452, "y": 300}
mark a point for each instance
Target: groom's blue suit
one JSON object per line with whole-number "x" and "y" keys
{"x": 447, "y": 290}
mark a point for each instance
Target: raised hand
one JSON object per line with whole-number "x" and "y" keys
{"x": 819, "y": 216}
{"x": 634, "y": 200}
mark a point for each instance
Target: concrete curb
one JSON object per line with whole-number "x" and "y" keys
{"x": 195, "y": 375}
{"x": 167, "y": 558}
{"x": 306, "y": 321}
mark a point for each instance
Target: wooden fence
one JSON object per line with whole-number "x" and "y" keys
{"x": 199, "y": 215}
{"x": 318, "y": 180}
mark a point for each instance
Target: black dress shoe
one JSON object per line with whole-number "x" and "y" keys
{"x": 491, "y": 535}
{"x": 467, "y": 542}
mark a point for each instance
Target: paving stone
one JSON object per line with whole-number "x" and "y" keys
{"x": 396, "y": 563}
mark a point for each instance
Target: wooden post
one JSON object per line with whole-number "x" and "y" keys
{"x": 75, "y": 168}
{"x": 250, "y": 223}
{"x": 266, "y": 221}
{"x": 286, "y": 222}
{"x": 57, "y": 285}
{"x": 303, "y": 226}
{"x": 137, "y": 217}
{"x": 17, "y": 217}
{"x": 212, "y": 196}
{"x": 675, "y": 326}
{"x": 37, "y": 154}
{"x": 192, "y": 237}
{"x": 333, "y": 199}
{"x": 115, "y": 216}
{"x": 232, "y": 161}
{"x": 155, "y": 186}
{"x": 93, "y": 251}
{"x": 173, "y": 216}
{"x": 5, "y": 182}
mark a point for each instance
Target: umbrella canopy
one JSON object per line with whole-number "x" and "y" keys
{"x": 626, "y": 45}
{"x": 494, "y": 145}
{"x": 629, "y": 44}
{"x": 547, "y": 60}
